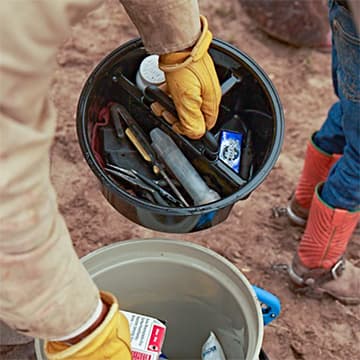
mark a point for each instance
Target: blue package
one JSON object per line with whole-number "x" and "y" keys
{"x": 230, "y": 148}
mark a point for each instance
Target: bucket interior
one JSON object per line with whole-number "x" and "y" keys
{"x": 193, "y": 289}
{"x": 253, "y": 100}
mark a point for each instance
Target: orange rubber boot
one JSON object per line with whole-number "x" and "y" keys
{"x": 318, "y": 267}
{"x": 315, "y": 170}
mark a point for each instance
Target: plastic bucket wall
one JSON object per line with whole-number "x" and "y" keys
{"x": 192, "y": 287}
{"x": 254, "y": 98}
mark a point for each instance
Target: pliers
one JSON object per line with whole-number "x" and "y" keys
{"x": 160, "y": 195}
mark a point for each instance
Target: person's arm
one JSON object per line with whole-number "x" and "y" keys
{"x": 174, "y": 30}
{"x": 165, "y": 26}
{"x": 45, "y": 291}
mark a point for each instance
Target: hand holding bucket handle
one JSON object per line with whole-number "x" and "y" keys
{"x": 194, "y": 86}
{"x": 270, "y": 304}
{"x": 154, "y": 93}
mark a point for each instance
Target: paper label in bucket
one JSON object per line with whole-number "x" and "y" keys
{"x": 212, "y": 349}
{"x": 147, "y": 336}
{"x": 230, "y": 148}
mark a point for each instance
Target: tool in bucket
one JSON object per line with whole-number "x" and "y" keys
{"x": 247, "y": 157}
{"x": 170, "y": 155}
{"x": 182, "y": 169}
{"x": 114, "y": 110}
{"x": 228, "y": 84}
{"x": 135, "y": 178}
{"x": 138, "y": 138}
{"x": 115, "y": 148}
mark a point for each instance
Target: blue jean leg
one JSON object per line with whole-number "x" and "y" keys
{"x": 331, "y": 137}
{"x": 341, "y": 131}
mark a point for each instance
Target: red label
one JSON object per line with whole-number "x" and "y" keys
{"x": 140, "y": 356}
{"x": 156, "y": 338}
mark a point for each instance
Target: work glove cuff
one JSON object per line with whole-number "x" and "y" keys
{"x": 101, "y": 335}
{"x": 178, "y": 60}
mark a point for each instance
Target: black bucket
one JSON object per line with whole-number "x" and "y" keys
{"x": 253, "y": 99}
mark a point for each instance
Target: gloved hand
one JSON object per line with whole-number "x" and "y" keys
{"x": 110, "y": 340}
{"x": 193, "y": 85}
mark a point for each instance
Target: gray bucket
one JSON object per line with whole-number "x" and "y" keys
{"x": 191, "y": 287}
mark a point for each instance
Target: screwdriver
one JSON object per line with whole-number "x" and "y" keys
{"x": 138, "y": 138}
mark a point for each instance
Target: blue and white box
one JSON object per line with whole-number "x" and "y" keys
{"x": 230, "y": 148}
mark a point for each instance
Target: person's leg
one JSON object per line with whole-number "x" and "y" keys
{"x": 341, "y": 132}
{"x": 342, "y": 188}
{"x": 323, "y": 150}
{"x": 330, "y": 138}
{"x": 335, "y": 209}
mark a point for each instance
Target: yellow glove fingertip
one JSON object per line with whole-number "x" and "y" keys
{"x": 195, "y": 131}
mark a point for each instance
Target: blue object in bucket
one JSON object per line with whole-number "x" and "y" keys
{"x": 230, "y": 148}
{"x": 270, "y": 304}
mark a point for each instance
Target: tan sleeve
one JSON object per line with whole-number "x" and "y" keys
{"x": 165, "y": 26}
{"x": 44, "y": 291}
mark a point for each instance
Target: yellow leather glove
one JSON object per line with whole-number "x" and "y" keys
{"x": 194, "y": 86}
{"x": 110, "y": 340}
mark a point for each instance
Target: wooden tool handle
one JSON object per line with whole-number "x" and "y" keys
{"x": 140, "y": 148}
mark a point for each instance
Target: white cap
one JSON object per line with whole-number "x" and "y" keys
{"x": 149, "y": 73}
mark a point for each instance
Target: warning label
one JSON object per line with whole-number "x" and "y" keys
{"x": 147, "y": 336}
{"x": 156, "y": 338}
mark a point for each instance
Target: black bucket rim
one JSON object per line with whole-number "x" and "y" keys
{"x": 266, "y": 84}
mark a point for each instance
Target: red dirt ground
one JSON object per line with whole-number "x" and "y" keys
{"x": 253, "y": 240}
